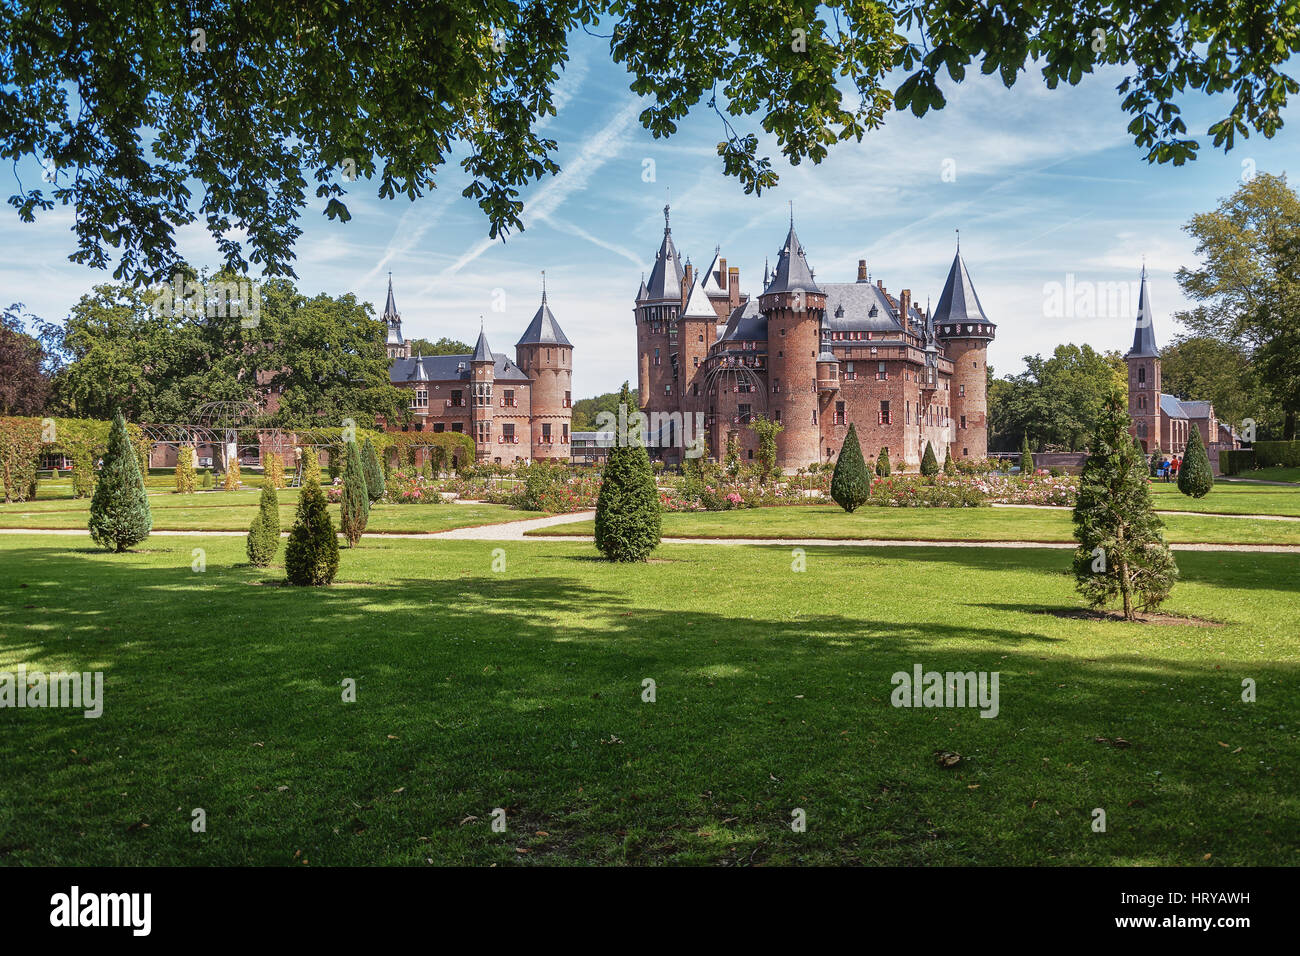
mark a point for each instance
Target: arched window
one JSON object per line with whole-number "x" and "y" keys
{"x": 1142, "y": 375}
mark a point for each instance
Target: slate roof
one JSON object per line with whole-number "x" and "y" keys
{"x": 958, "y": 303}
{"x": 710, "y": 282}
{"x": 792, "y": 272}
{"x": 1195, "y": 409}
{"x": 450, "y": 368}
{"x": 666, "y": 276}
{"x": 849, "y": 305}
{"x": 544, "y": 330}
{"x": 697, "y": 306}
{"x": 1144, "y": 335}
{"x": 746, "y": 323}
{"x": 481, "y": 351}
{"x": 1171, "y": 406}
{"x": 392, "y": 317}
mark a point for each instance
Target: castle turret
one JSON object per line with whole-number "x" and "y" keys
{"x": 658, "y": 304}
{"x": 394, "y": 344}
{"x": 545, "y": 355}
{"x": 965, "y": 331}
{"x": 482, "y": 366}
{"x": 794, "y": 305}
{"x": 1143, "y": 361}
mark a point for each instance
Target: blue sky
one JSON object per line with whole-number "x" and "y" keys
{"x": 1045, "y": 186}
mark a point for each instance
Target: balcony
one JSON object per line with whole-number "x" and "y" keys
{"x": 828, "y": 384}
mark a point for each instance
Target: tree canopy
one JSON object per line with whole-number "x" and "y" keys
{"x": 1055, "y": 401}
{"x": 153, "y": 115}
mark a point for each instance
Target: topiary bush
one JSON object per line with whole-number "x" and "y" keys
{"x": 374, "y": 474}
{"x": 628, "y": 518}
{"x": 850, "y": 483}
{"x": 312, "y": 555}
{"x": 355, "y": 502}
{"x": 119, "y": 511}
{"x": 273, "y": 469}
{"x": 929, "y": 463}
{"x": 264, "y": 533}
{"x": 185, "y": 477}
{"x": 949, "y": 466}
{"x": 83, "y": 473}
{"x": 1026, "y": 457}
{"x": 231, "y": 481}
{"x": 882, "y": 464}
{"x": 310, "y": 466}
{"x": 1195, "y": 476}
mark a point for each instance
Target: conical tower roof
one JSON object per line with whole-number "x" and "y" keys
{"x": 544, "y": 330}
{"x": 666, "y": 276}
{"x": 481, "y": 351}
{"x": 1144, "y": 335}
{"x": 792, "y": 274}
{"x": 958, "y": 302}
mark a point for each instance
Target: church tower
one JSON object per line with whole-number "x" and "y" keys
{"x": 794, "y": 305}
{"x": 394, "y": 344}
{"x": 965, "y": 331}
{"x": 1144, "y": 375}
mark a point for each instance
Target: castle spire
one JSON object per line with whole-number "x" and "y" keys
{"x": 1144, "y": 333}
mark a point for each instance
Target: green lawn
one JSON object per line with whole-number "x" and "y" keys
{"x": 1230, "y": 498}
{"x": 1277, "y": 473}
{"x": 522, "y": 690}
{"x": 234, "y": 511}
{"x": 934, "y": 524}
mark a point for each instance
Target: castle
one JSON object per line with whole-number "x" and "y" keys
{"x": 1162, "y": 422}
{"x": 516, "y": 410}
{"x": 815, "y": 357}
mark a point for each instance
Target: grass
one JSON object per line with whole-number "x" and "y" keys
{"x": 1230, "y": 498}
{"x": 1276, "y": 473}
{"x": 523, "y": 690}
{"x": 234, "y": 510}
{"x": 933, "y": 524}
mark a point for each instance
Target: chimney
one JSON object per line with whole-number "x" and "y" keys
{"x": 904, "y": 306}
{"x": 880, "y": 284}
{"x": 733, "y": 287}
{"x": 862, "y": 270}
{"x": 722, "y": 273}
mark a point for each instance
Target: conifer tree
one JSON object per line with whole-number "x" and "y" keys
{"x": 231, "y": 481}
{"x": 373, "y": 472}
{"x": 310, "y": 466}
{"x": 628, "y": 519}
{"x": 312, "y": 555}
{"x": 264, "y": 533}
{"x": 119, "y": 511}
{"x": 1195, "y": 476}
{"x": 1026, "y": 457}
{"x": 185, "y": 477}
{"x": 1122, "y": 551}
{"x": 929, "y": 463}
{"x": 882, "y": 463}
{"x": 1154, "y": 461}
{"x": 850, "y": 483}
{"x": 273, "y": 470}
{"x": 949, "y": 466}
{"x": 355, "y": 506}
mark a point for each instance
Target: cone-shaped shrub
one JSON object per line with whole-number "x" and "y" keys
{"x": 312, "y": 555}
{"x": 1026, "y": 457}
{"x": 373, "y": 472}
{"x": 949, "y": 466}
{"x": 882, "y": 463}
{"x": 119, "y": 511}
{"x": 929, "y": 463}
{"x": 1122, "y": 551}
{"x": 310, "y": 466}
{"x": 273, "y": 468}
{"x": 231, "y": 481}
{"x": 264, "y": 534}
{"x": 355, "y": 506}
{"x": 850, "y": 482}
{"x": 185, "y": 477}
{"x": 628, "y": 520}
{"x": 1195, "y": 476}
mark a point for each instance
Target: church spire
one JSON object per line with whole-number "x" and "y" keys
{"x": 1144, "y": 333}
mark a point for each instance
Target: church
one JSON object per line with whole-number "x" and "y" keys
{"x": 516, "y": 408}
{"x": 1163, "y": 422}
{"x": 813, "y": 356}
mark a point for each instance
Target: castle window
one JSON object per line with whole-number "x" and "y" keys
{"x": 546, "y": 433}
{"x": 420, "y": 399}
{"x": 839, "y": 413}
{"x": 668, "y": 389}
{"x": 508, "y": 434}
{"x": 568, "y": 399}
{"x": 965, "y": 452}
{"x": 849, "y": 374}
{"x": 457, "y": 399}
{"x": 508, "y": 399}
{"x": 457, "y": 427}
{"x": 961, "y": 389}
{"x": 751, "y": 454}
{"x": 882, "y": 373}
{"x": 701, "y": 337}
{"x": 814, "y": 416}
{"x": 776, "y": 385}
{"x": 1142, "y": 376}
{"x": 1142, "y": 401}
{"x": 885, "y": 417}
{"x": 657, "y": 362}
{"x": 564, "y": 433}
{"x": 963, "y": 421}
{"x": 907, "y": 413}
{"x": 439, "y": 428}
{"x": 695, "y": 361}
{"x": 776, "y": 416}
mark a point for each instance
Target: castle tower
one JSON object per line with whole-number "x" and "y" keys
{"x": 482, "y": 365}
{"x": 1144, "y": 375}
{"x": 394, "y": 344}
{"x": 658, "y": 304}
{"x": 965, "y": 331}
{"x": 794, "y": 306}
{"x": 545, "y": 355}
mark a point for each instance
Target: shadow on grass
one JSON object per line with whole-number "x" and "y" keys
{"x": 479, "y": 691}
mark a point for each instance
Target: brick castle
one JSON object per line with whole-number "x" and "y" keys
{"x": 813, "y": 356}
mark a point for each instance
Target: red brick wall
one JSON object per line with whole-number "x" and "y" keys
{"x": 970, "y": 368}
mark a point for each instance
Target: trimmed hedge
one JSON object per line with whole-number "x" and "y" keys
{"x": 1236, "y": 460}
{"x": 1195, "y": 477}
{"x": 850, "y": 482}
{"x": 312, "y": 555}
{"x": 1285, "y": 454}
